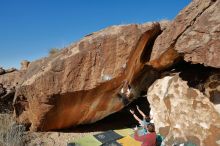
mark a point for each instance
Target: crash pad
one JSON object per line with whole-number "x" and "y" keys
{"x": 111, "y": 143}
{"x": 107, "y": 136}
{"x": 124, "y": 132}
{"x": 129, "y": 141}
{"x": 88, "y": 141}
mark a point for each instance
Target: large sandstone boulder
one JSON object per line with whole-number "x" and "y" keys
{"x": 193, "y": 35}
{"x": 183, "y": 114}
{"x": 80, "y": 83}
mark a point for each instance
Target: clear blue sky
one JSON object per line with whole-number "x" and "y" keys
{"x": 29, "y": 28}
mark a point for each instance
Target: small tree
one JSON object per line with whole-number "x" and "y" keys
{"x": 53, "y": 51}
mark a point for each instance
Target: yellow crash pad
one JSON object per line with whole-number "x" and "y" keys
{"x": 129, "y": 141}
{"x": 125, "y": 132}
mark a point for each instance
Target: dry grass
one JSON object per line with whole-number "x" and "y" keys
{"x": 10, "y": 132}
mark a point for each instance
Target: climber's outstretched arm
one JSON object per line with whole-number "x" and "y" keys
{"x": 142, "y": 113}
{"x": 135, "y": 116}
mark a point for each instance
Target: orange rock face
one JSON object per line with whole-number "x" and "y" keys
{"x": 194, "y": 35}
{"x": 80, "y": 83}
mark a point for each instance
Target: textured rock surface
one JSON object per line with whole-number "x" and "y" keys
{"x": 11, "y": 79}
{"x": 212, "y": 90}
{"x": 79, "y": 84}
{"x": 8, "y": 83}
{"x": 24, "y": 64}
{"x": 193, "y": 34}
{"x": 182, "y": 113}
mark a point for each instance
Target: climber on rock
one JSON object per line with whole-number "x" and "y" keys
{"x": 125, "y": 96}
